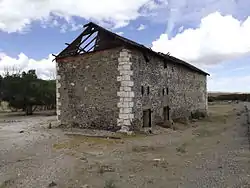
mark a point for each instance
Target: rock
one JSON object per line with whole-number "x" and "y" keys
{"x": 125, "y": 130}
{"x": 52, "y": 184}
{"x": 131, "y": 176}
{"x": 85, "y": 186}
{"x": 21, "y": 131}
{"x": 50, "y": 126}
{"x": 83, "y": 158}
{"x": 195, "y": 120}
{"x": 158, "y": 160}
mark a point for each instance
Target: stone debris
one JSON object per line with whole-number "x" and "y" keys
{"x": 52, "y": 184}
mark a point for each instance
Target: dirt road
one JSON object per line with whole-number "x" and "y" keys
{"x": 209, "y": 153}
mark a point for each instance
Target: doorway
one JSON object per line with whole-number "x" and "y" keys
{"x": 147, "y": 118}
{"x": 166, "y": 115}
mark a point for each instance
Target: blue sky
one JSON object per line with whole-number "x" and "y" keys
{"x": 212, "y": 35}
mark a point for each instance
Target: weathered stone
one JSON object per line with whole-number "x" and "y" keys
{"x": 126, "y": 72}
{"x": 126, "y": 110}
{"x": 127, "y": 122}
{"x": 124, "y": 59}
{"x": 129, "y": 99}
{"x": 124, "y": 116}
{"x": 124, "y": 67}
{"x": 113, "y": 87}
{"x": 125, "y": 88}
{"x": 127, "y": 83}
{"x": 125, "y": 104}
{"x": 185, "y": 90}
{"x": 126, "y": 94}
{"x": 99, "y": 95}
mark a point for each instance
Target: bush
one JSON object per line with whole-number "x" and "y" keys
{"x": 197, "y": 115}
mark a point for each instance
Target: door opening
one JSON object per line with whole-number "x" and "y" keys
{"x": 147, "y": 118}
{"x": 166, "y": 115}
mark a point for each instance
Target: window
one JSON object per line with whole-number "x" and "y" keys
{"x": 142, "y": 90}
{"x": 165, "y": 64}
{"x": 163, "y": 91}
{"x": 148, "y": 90}
{"x": 146, "y": 57}
{"x": 167, "y": 90}
{"x": 172, "y": 69}
{"x": 166, "y": 113}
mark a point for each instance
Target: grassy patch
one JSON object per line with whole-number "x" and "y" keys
{"x": 105, "y": 168}
{"x": 139, "y": 149}
{"x": 182, "y": 148}
{"x": 7, "y": 183}
{"x": 110, "y": 184}
{"x": 76, "y": 141}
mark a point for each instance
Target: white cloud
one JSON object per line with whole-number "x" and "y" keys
{"x": 180, "y": 29}
{"x": 45, "y": 68}
{"x": 120, "y": 33}
{"x": 15, "y": 15}
{"x": 141, "y": 27}
{"x": 179, "y": 12}
{"x": 229, "y": 84}
{"x": 72, "y": 26}
{"x": 218, "y": 38}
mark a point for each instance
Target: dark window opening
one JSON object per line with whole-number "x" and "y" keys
{"x": 142, "y": 90}
{"x": 165, "y": 64}
{"x": 146, "y": 57}
{"x": 148, "y": 90}
{"x": 172, "y": 69}
{"x": 147, "y": 118}
{"x": 167, "y": 91}
{"x": 163, "y": 91}
{"x": 166, "y": 113}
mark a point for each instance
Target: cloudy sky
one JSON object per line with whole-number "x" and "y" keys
{"x": 214, "y": 35}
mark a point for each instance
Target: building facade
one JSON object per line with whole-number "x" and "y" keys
{"x": 125, "y": 85}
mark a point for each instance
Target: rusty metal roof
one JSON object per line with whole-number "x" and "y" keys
{"x": 95, "y": 38}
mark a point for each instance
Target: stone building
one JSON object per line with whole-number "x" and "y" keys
{"x": 105, "y": 81}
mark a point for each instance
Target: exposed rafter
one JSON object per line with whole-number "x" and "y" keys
{"x": 95, "y": 38}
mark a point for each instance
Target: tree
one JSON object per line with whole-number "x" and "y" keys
{"x": 1, "y": 90}
{"x": 25, "y": 91}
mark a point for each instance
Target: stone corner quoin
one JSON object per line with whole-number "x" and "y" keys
{"x": 125, "y": 92}
{"x": 58, "y": 101}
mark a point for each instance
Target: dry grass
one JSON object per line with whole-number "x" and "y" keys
{"x": 219, "y": 120}
{"x": 182, "y": 148}
{"x": 7, "y": 183}
{"x": 139, "y": 149}
{"x": 105, "y": 168}
{"x": 77, "y": 140}
{"x": 109, "y": 184}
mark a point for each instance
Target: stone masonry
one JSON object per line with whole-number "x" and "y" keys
{"x": 125, "y": 93}
{"x": 58, "y": 86}
{"x": 87, "y": 89}
{"x": 110, "y": 89}
{"x": 171, "y": 85}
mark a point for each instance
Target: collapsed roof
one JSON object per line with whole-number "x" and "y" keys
{"x": 96, "y": 38}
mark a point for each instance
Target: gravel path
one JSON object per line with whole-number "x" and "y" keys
{"x": 218, "y": 157}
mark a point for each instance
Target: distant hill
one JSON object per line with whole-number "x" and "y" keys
{"x": 216, "y": 94}
{"x": 221, "y": 96}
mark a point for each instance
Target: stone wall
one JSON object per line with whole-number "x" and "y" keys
{"x": 103, "y": 90}
{"x": 176, "y": 86}
{"x": 125, "y": 92}
{"x": 87, "y": 90}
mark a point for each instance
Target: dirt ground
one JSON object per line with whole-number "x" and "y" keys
{"x": 213, "y": 152}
